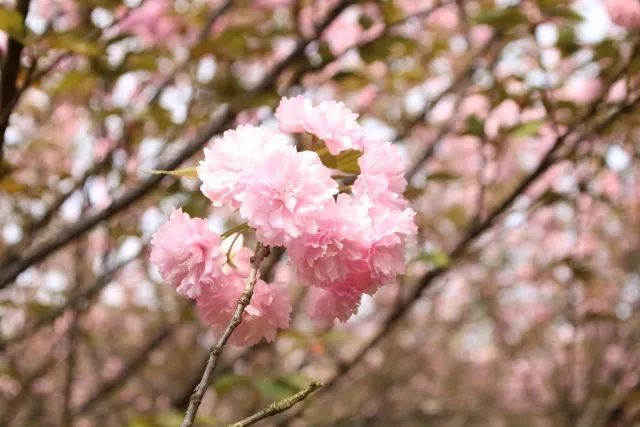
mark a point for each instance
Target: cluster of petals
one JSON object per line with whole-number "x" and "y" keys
{"x": 357, "y": 242}
{"x": 187, "y": 254}
{"x": 357, "y": 249}
{"x": 268, "y": 310}
{"x": 343, "y": 245}
{"x": 193, "y": 259}
{"x": 276, "y": 189}
{"x": 625, "y": 13}
{"x": 330, "y": 121}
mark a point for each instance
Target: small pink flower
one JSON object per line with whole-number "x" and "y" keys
{"x": 390, "y": 228}
{"x": 334, "y": 250}
{"x": 383, "y": 159}
{"x": 229, "y": 162}
{"x": 359, "y": 238}
{"x": 187, "y": 254}
{"x": 625, "y": 13}
{"x": 341, "y": 301}
{"x": 288, "y": 189}
{"x": 330, "y": 121}
{"x": 276, "y": 189}
{"x": 268, "y": 311}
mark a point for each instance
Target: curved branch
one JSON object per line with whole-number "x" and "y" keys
{"x": 216, "y": 350}
{"x": 279, "y": 406}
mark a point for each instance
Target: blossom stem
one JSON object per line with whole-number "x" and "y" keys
{"x": 279, "y": 406}
{"x": 214, "y": 352}
{"x": 238, "y": 228}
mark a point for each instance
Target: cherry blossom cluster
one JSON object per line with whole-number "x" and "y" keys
{"x": 343, "y": 242}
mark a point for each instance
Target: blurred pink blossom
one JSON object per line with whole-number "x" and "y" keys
{"x": 625, "y": 13}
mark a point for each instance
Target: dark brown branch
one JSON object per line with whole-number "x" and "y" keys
{"x": 215, "y": 351}
{"x": 10, "y": 70}
{"x": 37, "y": 224}
{"x": 76, "y": 301}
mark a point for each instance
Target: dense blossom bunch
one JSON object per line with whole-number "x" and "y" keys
{"x": 342, "y": 244}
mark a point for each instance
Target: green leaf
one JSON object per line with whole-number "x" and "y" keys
{"x": 437, "y": 258}
{"x": 442, "y": 176}
{"x": 75, "y": 43}
{"x": 551, "y": 197}
{"x": 351, "y": 80}
{"x": 185, "y": 172}
{"x": 526, "y": 129}
{"x": 567, "y": 13}
{"x": 413, "y": 192}
{"x": 502, "y": 18}
{"x": 276, "y": 389}
{"x": 226, "y": 383}
{"x": 12, "y": 23}
{"x": 346, "y": 161}
{"x": 390, "y": 12}
{"x": 387, "y": 48}
{"x": 474, "y": 127}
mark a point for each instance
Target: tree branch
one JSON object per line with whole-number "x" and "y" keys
{"x": 76, "y": 301}
{"x": 9, "y": 272}
{"x": 279, "y": 406}
{"x": 132, "y": 367}
{"x": 10, "y": 70}
{"x": 215, "y": 351}
{"x": 474, "y": 231}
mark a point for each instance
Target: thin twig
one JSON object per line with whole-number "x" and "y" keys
{"x": 279, "y": 406}
{"x": 215, "y": 351}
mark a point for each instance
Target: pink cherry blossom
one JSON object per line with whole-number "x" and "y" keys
{"x": 151, "y": 22}
{"x": 330, "y": 121}
{"x": 187, "y": 254}
{"x": 334, "y": 250}
{"x": 229, "y": 162}
{"x": 275, "y": 188}
{"x": 343, "y": 33}
{"x": 288, "y": 189}
{"x": 385, "y": 238}
{"x": 383, "y": 159}
{"x": 358, "y": 239}
{"x": 625, "y": 13}
{"x": 268, "y": 311}
{"x": 338, "y": 302}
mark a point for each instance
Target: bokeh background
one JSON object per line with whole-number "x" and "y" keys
{"x": 519, "y": 125}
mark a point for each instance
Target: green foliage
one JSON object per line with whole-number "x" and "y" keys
{"x": 346, "y": 161}
{"x": 11, "y": 22}
{"x": 190, "y": 172}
